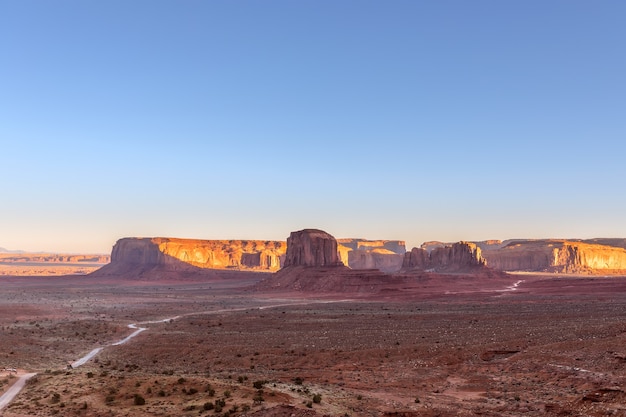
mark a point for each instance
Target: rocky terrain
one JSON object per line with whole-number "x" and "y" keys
{"x": 544, "y": 346}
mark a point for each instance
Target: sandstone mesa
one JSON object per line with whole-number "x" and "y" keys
{"x": 571, "y": 256}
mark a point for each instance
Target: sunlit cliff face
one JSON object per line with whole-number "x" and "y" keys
{"x": 214, "y": 254}
{"x": 558, "y": 256}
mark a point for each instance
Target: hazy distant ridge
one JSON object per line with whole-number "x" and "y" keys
{"x": 3, "y": 250}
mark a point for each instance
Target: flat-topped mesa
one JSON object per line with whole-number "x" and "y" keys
{"x": 593, "y": 256}
{"x": 311, "y": 247}
{"x": 458, "y": 257}
{"x": 173, "y": 253}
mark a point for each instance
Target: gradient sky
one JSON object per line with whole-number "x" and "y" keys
{"x": 414, "y": 120}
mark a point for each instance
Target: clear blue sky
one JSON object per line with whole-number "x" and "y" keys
{"x": 414, "y": 120}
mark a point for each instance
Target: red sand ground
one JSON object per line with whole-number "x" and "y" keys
{"x": 430, "y": 346}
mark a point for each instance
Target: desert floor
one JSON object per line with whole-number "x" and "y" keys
{"x": 548, "y": 345}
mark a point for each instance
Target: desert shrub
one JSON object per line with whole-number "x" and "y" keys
{"x": 139, "y": 400}
{"x": 192, "y": 391}
{"x": 161, "y": 393}
{"x": 417, "y": 400}
{"x": 317, "y": 398}
{"x": 56, "y": 398}
{"x": 181, "y": 380}
{"x": 309, "y": 404}
{"x": 208, "y": 406}
{"x": 259, "y": 384}
{"x": 89, "y": 374}
{"x": 258, "y": 397}
{"x": 227, "y": 394}
{"x": 298, "y": 380}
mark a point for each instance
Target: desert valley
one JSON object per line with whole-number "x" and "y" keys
{"x": 316, "y": 326}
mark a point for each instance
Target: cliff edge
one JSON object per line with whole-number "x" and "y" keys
{"x": 172, "y": 254}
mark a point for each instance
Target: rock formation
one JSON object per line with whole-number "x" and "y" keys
{"x": 417, "y": 258}
{"x": 170, "y": 253}
{"x": 562, "y": 256}
{"x": 384, "y": 255}
{"x": 381, "y": 259}
{"x": 311, "y": 247}
{"x": 458, "y": 257}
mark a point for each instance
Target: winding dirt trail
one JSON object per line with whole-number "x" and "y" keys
{"x": 15, "y": 389}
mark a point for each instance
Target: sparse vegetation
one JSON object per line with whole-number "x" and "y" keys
{"x": 139, "y": 400}
{"x": 259, "y": 384}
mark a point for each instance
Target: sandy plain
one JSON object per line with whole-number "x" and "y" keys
{"x": 545, "y": 346}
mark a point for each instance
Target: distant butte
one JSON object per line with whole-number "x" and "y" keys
{"x": 458, "y": 257}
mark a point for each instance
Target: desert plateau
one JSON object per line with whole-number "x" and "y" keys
{"x": 318, "y": 326}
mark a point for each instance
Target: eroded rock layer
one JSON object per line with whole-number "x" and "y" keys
{"x": 560, "y": 256}
{"x": 458, "y": 257}
{"x": 214, "y": 254}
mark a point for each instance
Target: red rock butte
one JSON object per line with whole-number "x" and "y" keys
{"x": 311, "y": 247}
